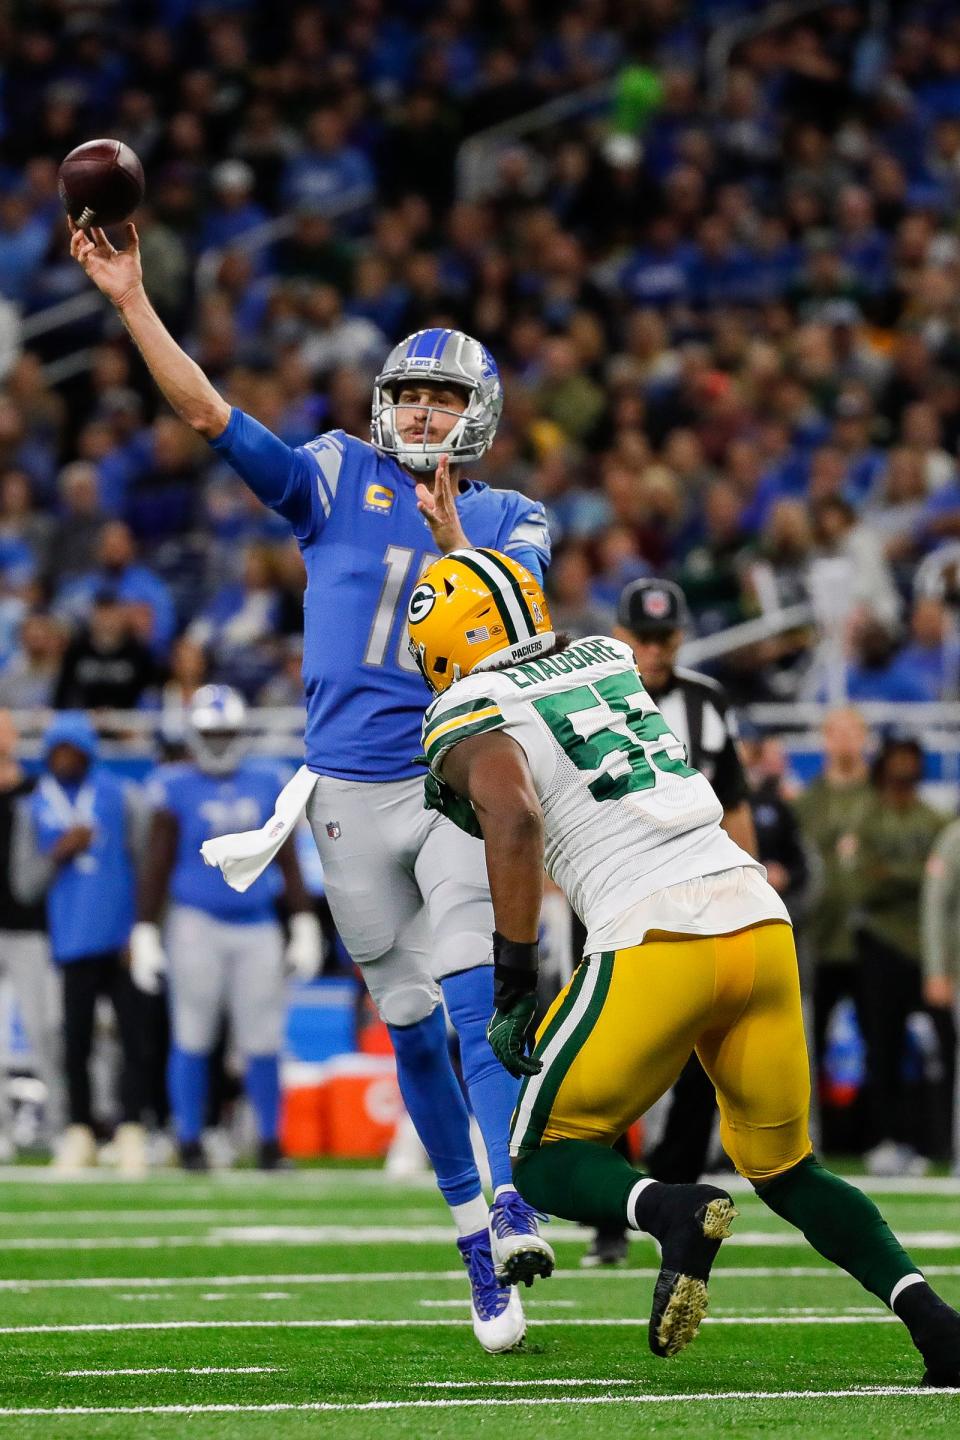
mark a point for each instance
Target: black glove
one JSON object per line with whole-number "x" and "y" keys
{"x": 515, "y": 1000}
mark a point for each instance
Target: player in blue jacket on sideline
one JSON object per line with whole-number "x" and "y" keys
{"x": 89, "y": 826}
{"x": 226, "y": 950}
{"x": 407, "y": 890}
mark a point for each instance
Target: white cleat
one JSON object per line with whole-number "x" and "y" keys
{"x": 76, "y": 1152}
{"x": 130, "y": 1150}
{"x": 498, "y": 1319}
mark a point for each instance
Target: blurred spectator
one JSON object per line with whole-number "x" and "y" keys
{"x": 850, "y": 570}
{"x": 572, "y": 605}
{"x": 315, "y": 252}
{"x": 105, "y": 666}
{"x": 930, "y": 657}
{"x": 832, "y": 812}
{"x": 328, "y": 171}
{"x": 875, "y": 669}
{"x": 24, "y": 534}
{"x": 712, "y": 572}
{"x": 780, "y": 845}
{"x": 28, "y": 680}
{"x": 79, "y": 523}
{"x": 863, "y": 462}
{"x": 238, "y": 627}
{"x": 234, "y": 211}
{"x": 141, "y": 591}
{"x": 23, "y": 245}
{"x": 286, "y": 687}
{"x": 332, "y": 339}
{"x": 895, "y": 837}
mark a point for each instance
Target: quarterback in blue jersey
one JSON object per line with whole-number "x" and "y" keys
{"x": 407, "y": 890}
{"x": 223, "y": 950}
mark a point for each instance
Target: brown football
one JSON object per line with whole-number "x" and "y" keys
{"x": 101, "y": 183}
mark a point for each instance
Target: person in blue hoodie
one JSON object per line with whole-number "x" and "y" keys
{"x": 87, "y": 824}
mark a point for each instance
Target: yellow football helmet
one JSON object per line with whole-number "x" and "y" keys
{"x": 472, "y": 609}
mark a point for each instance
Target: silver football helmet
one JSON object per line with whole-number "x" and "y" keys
{"x": 443, "y": 357}
{"x": 214, "y": 732}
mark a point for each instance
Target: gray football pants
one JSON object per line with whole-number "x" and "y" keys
{"x": 219, "y": 969}
{"x": 25, "y": 960}
{"x": 407, "y": 890}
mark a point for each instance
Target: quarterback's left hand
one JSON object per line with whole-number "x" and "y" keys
{"x": 508, "y": 1032}
{"x": 439, "y": 508}
{"x": 304, "y": 953}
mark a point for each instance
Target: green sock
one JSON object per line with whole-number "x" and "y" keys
{"x": 842, "y": 1224}
{"x": 577, "y": 1180}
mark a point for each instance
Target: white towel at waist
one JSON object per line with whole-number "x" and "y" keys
{"x": 244, "y": 857}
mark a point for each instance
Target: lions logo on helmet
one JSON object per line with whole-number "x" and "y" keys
{"x": 442, "y": 357}
{"x": 474, "y": 609}
{"x": 214, "y": 729}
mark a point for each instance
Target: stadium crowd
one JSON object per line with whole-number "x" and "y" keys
{"x": 727, "y": 315}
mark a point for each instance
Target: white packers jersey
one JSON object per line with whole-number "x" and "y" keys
{"x": 624, "y": 815}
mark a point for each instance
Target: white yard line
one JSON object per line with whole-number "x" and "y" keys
{"x": 707, "y": 1397}
{"x": 210, "y": 1214}
{"x": 510, "y": 1384}
{"x": 381, "y": 1277}
{"x": 222, "y": 1237}
{"x": 174, "y": 1370}
{"x": 340, "y": 1180}
{"x": 604, "y": 1322}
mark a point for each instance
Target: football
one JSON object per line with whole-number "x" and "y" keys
{"x": 101, "y": 183}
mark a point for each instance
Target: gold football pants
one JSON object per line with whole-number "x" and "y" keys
{"x": 618, "y": 1035}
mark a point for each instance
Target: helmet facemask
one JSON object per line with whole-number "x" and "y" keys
{"x": 214, "y": 733}
{"x": 216, "y": 752}
{"x": 462, "y": 363}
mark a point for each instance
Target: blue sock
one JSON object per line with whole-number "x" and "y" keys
{"x": 262, "y": 1084}
{"x": 187, "y": 1082}
{"x": 435, "y": 1105}
{"x": 493, "y": 1092}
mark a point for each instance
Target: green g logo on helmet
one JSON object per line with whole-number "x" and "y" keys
{"x": 422, "y": 602}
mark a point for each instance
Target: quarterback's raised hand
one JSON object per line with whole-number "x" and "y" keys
{"x": 438, "y": 506}
{"x": 117, "y": 273}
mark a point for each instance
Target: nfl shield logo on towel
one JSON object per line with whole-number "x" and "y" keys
{"x": 333, "y": 829}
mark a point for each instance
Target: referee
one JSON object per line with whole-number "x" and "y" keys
{"x": 651, "y": 618}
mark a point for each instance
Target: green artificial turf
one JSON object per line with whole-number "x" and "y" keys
{"x": 175, "y": 1260}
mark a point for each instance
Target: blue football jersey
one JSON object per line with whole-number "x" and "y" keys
{"x": 365, "y": 544}
{"x": 209, "y": 805}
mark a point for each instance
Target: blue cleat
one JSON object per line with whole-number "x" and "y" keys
{"x": 498, "y": 1319}
{"x": 520, "y": 1253}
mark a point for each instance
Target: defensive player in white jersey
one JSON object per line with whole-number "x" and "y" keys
{"x": 556, "y": 753}
{"x": 225, "y": 950}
